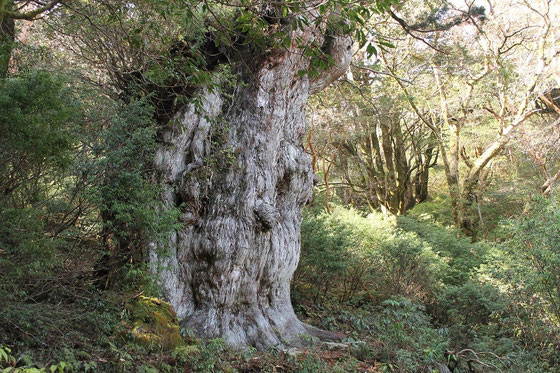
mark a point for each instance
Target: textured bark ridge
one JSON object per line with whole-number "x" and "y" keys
{"x": 239, "y": 173}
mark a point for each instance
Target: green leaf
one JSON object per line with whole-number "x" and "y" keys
{"x": 371, "y": 50}
{"x": 386, "y": 43}
{"x": 3, "y": 354}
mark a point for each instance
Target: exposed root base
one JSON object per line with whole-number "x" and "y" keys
{"x": 261, "y": 333}
{"x": 323, "y": 335}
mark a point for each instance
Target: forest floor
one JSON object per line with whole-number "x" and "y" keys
{"x": 408, "y": 294}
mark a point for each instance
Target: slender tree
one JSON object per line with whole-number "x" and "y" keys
{"x": 497, "y": 83}
{"x": 10, "y": 11}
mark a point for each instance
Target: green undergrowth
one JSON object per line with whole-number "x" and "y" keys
{"x": 407, "y": 293}
{"x": 414, "y": 293}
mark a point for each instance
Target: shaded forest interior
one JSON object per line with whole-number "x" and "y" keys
{"x": 166, "y": 165}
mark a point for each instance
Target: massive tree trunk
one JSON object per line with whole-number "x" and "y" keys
{"x": 237, "y": 170}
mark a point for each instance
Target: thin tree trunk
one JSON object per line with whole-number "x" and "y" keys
{"x": 7, "y": 40}
{"x": 548, "y": 187}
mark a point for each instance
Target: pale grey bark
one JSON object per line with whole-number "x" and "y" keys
{"x": 239, "y": 173}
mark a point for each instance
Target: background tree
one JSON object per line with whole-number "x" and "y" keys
{"x": 497, "y": 82}
{"x": 10, "y": 11}
{"x": 383, "y": 154}
{"x": 540, "y": 142}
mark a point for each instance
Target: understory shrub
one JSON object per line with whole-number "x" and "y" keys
{"x": 420, "y": 294}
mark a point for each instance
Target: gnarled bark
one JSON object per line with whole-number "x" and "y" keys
{"x": 239, "y": 174}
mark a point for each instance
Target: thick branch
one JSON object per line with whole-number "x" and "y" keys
{"x": 547, "y": 187}
{"x": 29, "y": 16}
{"x": 493, "y": 150}
{"x": 340, "y": 50}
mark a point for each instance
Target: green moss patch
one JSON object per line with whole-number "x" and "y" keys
{"x": 153, "y": 324}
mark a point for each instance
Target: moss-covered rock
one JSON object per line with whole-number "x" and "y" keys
{"x": 153, "y": 324}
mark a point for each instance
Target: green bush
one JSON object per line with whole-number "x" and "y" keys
{"x": 128, "y": 202}
{"x": 532, "y": 253}
{"x": 39, "y": 115}
{"x": 437, "y": 210}
{"x": 27, "y": 254}
{"x": 419, "y": 289}
{"x": 37, "y": 134}
{"x": 350, "y": 256}
{"x": 411, "y": 342}
{"x": 527, "y": 267}
{"x": 459, "y": 252}
{"x": 347, "y": 254}
{"x": 333, "y": 248}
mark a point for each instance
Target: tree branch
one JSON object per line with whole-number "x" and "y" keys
{"x": 29, "y": 16}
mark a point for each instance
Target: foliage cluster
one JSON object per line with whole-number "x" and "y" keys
{"x": 442, "y": 296}
{"x": 77, "y": 209}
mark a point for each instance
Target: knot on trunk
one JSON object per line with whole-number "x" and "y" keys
{"x": 266, "y": 214}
